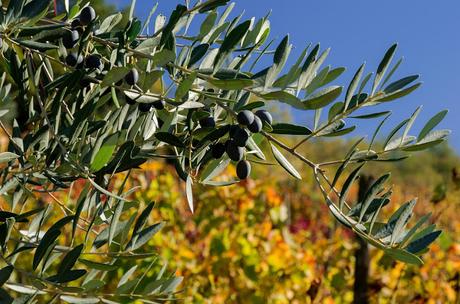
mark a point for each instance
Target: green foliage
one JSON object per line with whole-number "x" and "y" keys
{"x": 168, "y": 95}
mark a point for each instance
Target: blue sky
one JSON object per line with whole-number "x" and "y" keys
{"x": 361, "y": 30}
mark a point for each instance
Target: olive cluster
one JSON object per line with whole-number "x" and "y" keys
{"x": 93, "y": 62}
{"x": 239, "y": 135}
{"x": 72, "y": 37}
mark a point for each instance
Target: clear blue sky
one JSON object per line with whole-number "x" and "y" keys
{"x": 361, "y": 30}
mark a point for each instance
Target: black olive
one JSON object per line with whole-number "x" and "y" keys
{"x": 243, "y": 169}
{"x": 145, "y": 107}
{"x": 159, "y": 104}
{"x": 207, "y": 122}
{"x": 85, "y": 82}
{"x": 93, "y": 62}
{"x": 132, "y": 77}
{"x": 233, "y": 150}
{"x": 73, "y": 59}
{"x": 75, "y": 24}
{"x": 87, "y": 15}
{"x": 70, "y": 39}
{"x": 245, "y": 117}
{"x": 265, "y": 116}
{"x": 256, "y": 125}
{"x": 217, "y": 150}
{"x": 129, "y": 100}
{"x": 240, "y": 137}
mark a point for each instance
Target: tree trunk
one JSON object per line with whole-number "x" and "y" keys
{"x": 360, "y": 287}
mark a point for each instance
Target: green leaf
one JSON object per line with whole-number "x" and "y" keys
{"x": 353, "y": 86}
{"x": 169, "y": 139}
{"x": 134, "y": 29}
{"x": 5, "y": 274}
{"x": 14, "y": 8}
{"x": 144, "y": 236}
{"x": 414, "y": 228}
{"x": 39, "y": 46}
{"x": 284, "y": 162}
{"x": 105, "y": 153}
{"x": 109, "y": 23}
{"x": 394, "y": 131}
{"x": 403, "y": 256}
{"x": 163, "y": 57}
{"x": 398, "y": 94}
{"x": 198, "y": 53}
{"x": 148, "y": 46}
{"x": 68, "y": 276}
{"x": 98, "y": 266}
{"x": 231, "y": 84}
{"x": 399, "y": 84}
{"x": 114, "y": 75}
{"x": 432, "y": 139}
{"x": 207, "y": 25}
{"x": 372, "y": 115}
{"x": 7, "y": 157}
{"x": 347, "y": 185}
{"x": 70, "y": 259}
{"x": 371, "y": 193}
{"x": 173, "y": 20}
{"x": 431, "y": 124}
{"x": 47, "y": 241}
{"x": 423, "y": 242}
{"x": 76, "y": 300}
{"x": 279, "y": 60}
{"x": 373, "y": 206}
{"x": 401, "y": 222}
{"x": 210, "y": 5}
{"x": 93, "y": 284}
{"x": 230, "y": 41}
{"x": 24, "y": 289}
{"x": 143, "y": 217}
{"x": 35, "y": 8}
{"x": 284, "y": 97}
{"x": 340, "y": 132}
{"x": 332, "y": 75}
{"x": 189, "y": 192}
{"x": 322, "y": 98}
{"x": 383, "y": 66}
{"x": 290, "y": 129}
{"x": 185, "y": 86}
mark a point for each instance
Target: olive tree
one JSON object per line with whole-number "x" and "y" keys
{"x": 84, "y": 101}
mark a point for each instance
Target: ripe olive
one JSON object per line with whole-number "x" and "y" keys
{"x": 217, "y": 150}
{"x": 85, "y": 82}
{"x": 241, "y": 137}
{"x": 132, "y": 77}
{"x": 129, "y": 100}
{"x": 70, "y": 39}
{"x": 159, "y": 104}
{"x": 265, "y": 116}
{"x": 243, "y": 169}
{"x": 234, "y": 152}
{"x": 207, "y": 122}
{"x": 145, "y": 107}
{"x": 87, "y": 15}
{"x": 245, "y": 117}
{"x": 256, "y": 125}
{"x": 93, "y": 62}
{"x": 73, "y": 59}
{"x": 75, "y": 24}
